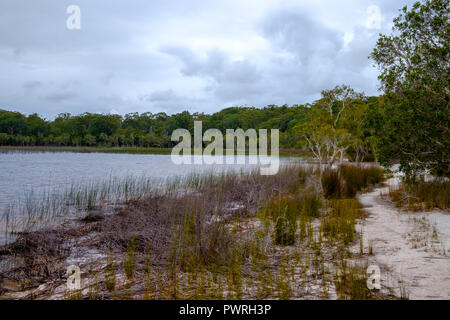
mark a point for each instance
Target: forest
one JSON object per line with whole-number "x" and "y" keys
{"x": 154, "y": 130}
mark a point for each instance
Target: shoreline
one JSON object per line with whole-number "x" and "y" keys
{"x": 129, "y": 150}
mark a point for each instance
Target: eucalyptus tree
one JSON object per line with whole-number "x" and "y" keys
{"x": 330, "y": 131}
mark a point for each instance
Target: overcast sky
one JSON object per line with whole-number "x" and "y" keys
{"x": 170, "y": 56}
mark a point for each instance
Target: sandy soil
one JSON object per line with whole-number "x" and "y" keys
{"x": 411, "y": 253}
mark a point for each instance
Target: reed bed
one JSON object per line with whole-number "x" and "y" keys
{"x": 52, "y": 207}
{"x": 234, "y": 235}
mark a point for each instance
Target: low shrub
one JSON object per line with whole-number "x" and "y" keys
{"x": 418, "y": 194}
{"x": 359, "y": 177}
{"x": 339, "y": 222}
{"x": 349, "y": 179}
{"x": 351, "y": 284}
{"x": 284, "y": 233}
{"x": 331, "y": 184}
{"x": 284, "y": 211}
{"x": 310, "y": 204}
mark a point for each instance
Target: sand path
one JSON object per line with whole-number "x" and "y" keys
{"x": 422, "y": 271}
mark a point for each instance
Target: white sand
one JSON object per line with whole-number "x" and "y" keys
{"x": 423, "y": 270}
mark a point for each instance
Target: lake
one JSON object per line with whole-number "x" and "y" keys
{"x": 23, "y": 173}
{"x": 34, "y": 185}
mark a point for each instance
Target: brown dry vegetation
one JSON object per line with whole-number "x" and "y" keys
{"x": 418, "y": 194}
{"x": 228, "y": 236}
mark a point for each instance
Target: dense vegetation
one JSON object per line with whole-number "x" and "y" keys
{"x": 414, "y": 63}
{"x": 144, "y": 130}
{"x": 154, "y": 130}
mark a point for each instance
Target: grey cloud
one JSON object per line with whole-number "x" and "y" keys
{"x": 167, "y": 55}
{"x": 300, "y": 34}
{"x": 318, "y": 58}
{"x": 158, "y": 96}
{"x": 32, "y": 84}
{"x": 308, "y": 53}
{"x": 169, "y": 101}
{"x": 60, "y": 97}
{"x": 230, "y": 81}
{"x": 212, "y": 63}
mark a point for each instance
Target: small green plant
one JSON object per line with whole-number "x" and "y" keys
{"x": 351, "y": 283}
{"x": 235, "y": 270}
{"x": 93, "y": 287}
{"x": 339, "y": 223}
{"x": 148, "y": 280}
{"x": 404, "y": 294}
{"x": 110, "y": 276}
{"x": 74, "y": 295}
{"x": 370, "y": 247}
{"x": 310, "y": 204}
{"x": 283, "y": 283}
{"x": 284, "y": 233}
{"x": 130, "y": 260}
{"x": 361, "y": 245}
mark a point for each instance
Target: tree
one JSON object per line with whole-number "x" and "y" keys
{"x": 337, "y": 100}
{"x": 89, "y": 140}
{"x": 12, "y": 122}
{"x": 333, "y": 125}
{"x": 415, "y": 74}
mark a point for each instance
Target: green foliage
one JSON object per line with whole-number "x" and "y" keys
{"x": 415, "y": 72}
{"x": 129, "y": 263}
{"x": 284, "y": 233}
{"x": 341, "y": 125}
{"x": 142, "y": 130}
{"x": 337, "y": 126}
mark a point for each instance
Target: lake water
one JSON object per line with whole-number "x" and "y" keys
{"x": 36, "y": 182}
{"x": 23, "y": 173}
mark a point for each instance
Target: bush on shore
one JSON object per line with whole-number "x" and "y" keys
{"x": 349, "y": 179}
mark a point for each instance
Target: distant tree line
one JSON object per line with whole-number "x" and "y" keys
{"x": 141, "y": 130}
{"x": 154, "y": 130}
